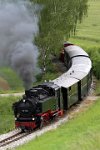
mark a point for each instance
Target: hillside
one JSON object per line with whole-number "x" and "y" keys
{"x": 88, "y": 33}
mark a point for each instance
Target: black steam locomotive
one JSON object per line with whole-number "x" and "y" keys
{"x": 44, "y": 102}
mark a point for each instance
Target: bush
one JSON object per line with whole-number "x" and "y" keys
{"x": 95, "y": 57}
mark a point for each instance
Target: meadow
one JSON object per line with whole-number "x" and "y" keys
{"x": 88, "y": 32}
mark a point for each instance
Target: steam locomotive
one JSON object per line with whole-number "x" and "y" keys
{"x": 41, "y": 104}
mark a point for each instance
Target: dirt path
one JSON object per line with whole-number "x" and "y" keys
{"x": 11, "y": 94}
{"x": 92, "y": 97}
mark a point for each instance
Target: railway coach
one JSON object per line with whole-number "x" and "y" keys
{"x": 76, "y": 82}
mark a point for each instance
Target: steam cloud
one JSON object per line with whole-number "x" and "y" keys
{"x": 18, "y": 28}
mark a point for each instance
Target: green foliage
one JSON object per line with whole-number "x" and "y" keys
{"x": 80, "y": 133}
{"x": 97, "y": 88}
{"x": 6, "y": 114}
{"x": 50, "y": 76}
{"x": 95, "y": 57}
{"x": 47, "y": 77}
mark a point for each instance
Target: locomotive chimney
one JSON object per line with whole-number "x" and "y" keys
{"x": 27, "y": 93}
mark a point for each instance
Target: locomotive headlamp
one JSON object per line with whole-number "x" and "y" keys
{"x": 24, "y": 100}
{"x": 33, "y": 119}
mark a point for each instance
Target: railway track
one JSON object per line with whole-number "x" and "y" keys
{"x": 12, "y": 138}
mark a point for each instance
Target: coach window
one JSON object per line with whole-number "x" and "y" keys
{"x": 57, "y": 93}
{"x": 84, "y": 81}
{"x": 70, "y": 88}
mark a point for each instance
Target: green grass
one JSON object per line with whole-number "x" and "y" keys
{"x": 80, "y": 133}
{"x": 6, "y": 114}
{"x": 88, "y": 33}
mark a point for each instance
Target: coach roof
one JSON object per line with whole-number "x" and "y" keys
{"x": 74, "y": 50}
{"x": 65, "y": 81}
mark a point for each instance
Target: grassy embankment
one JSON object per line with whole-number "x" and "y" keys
{"x": 6, "y": 114}
{"x": 82, "y": 132}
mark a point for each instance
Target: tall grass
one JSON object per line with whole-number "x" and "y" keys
{"x": 6, "y": 114}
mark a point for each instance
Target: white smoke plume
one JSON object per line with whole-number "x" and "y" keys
{"x": 18, "y": 28}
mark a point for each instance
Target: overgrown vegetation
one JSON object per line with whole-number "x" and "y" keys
{"x": 6, "y": 113}
{"x": 97, "y": 90}
{"x": 95, "y": 57}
